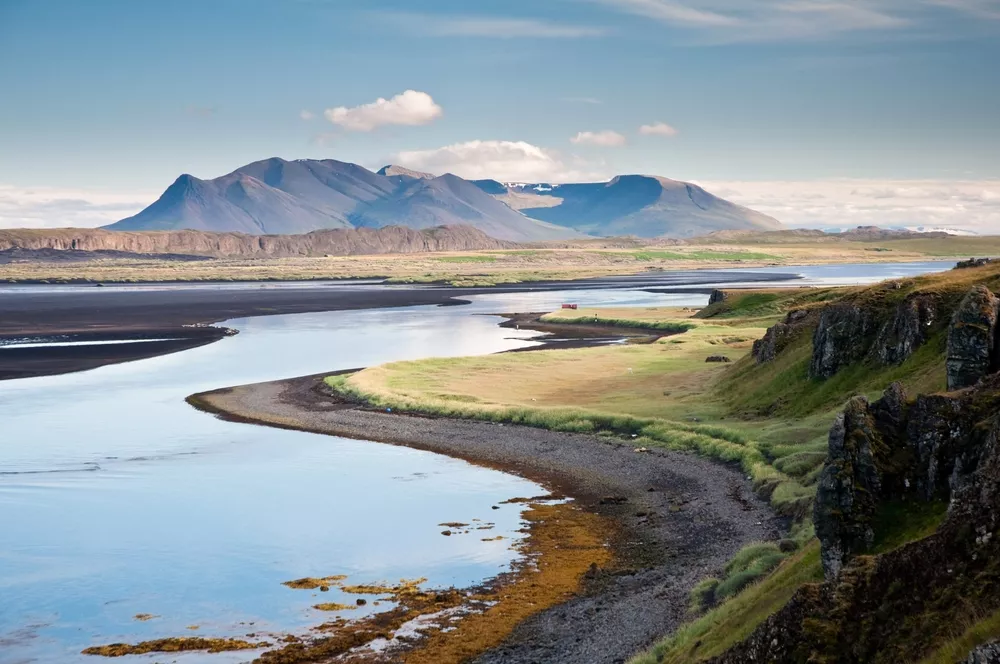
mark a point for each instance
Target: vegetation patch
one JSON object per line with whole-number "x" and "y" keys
{"x": 311, "y": 583}
{"x": 466, "y": 259}
{"x": 733, "y": 620}
{"x": 334, "y": 606}
{"x": 182, "y": 644}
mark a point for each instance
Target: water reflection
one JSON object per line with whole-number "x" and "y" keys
{"x": 116, "y": 498}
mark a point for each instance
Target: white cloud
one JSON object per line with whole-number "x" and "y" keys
{"x": 409, "y": 108}
{"x": 509, "y": 161}
{"x": 48, "y": 207}
{"x": 306, "y": 114}
{"x": 604, "y": 139}
{"x": 488, "y": 26}
{"x": 972, "y": 205}
{"x": 726, "y": 21}
{"x": 657, "y": 129}
{"x": 583, "y": 100}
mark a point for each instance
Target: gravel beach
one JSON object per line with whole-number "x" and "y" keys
{"x": 678, "y": 517}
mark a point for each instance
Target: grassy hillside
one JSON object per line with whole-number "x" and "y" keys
{"x": 772, "y": 418}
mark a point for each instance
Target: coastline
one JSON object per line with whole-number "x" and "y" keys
{"x": 186, "y": 311}
{"x": 675, "y": 517}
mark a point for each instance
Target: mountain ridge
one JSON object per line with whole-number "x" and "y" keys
{"x": 278, "y": 196}
{"x": 642, "y": 205}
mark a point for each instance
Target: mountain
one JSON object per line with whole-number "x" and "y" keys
{"x": 392, "y": 170}
{"x": 641, "y": 205}
{"x": 275, "y": 196}
{"x": 65, "y": 243}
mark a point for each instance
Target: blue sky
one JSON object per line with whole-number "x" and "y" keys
{"x": 776, "y": 103}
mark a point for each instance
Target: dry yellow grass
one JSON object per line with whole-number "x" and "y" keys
{"x": 666, "y": 379}
{"x": 487, "y": 267}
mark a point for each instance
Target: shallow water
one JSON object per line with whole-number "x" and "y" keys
{"x": 117, "y": 498}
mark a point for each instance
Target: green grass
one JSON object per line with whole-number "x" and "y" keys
{"x": 783, "y": 387}
{"x": 974, "y": 635}
{"x": 663, "y": 326}
{"x": 787, "y": 496}
{"x": 735, "y": 619}
{"x": 899, "y": 523}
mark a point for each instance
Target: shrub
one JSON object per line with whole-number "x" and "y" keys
{"x": 703, "y": 595}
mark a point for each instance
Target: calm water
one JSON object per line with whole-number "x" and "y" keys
{"x": 116, "y": 498}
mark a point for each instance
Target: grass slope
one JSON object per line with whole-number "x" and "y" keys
{"x": 772, "y": 419}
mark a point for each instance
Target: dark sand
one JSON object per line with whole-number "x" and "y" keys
{"x": 165, "y": 311}
{"x": 680, "y": 517}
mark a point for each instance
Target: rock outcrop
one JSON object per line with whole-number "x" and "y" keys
{"x": 972, "y": 341}
{"x": 339, "y": 242}
{"x": 901, "y": 605}
{"x": 777, "y": 337}
{"x": 716, "y": 297}
{"x": 842, "y": 337}
{"x": 974, "y": 262}
{"x": 849, "y": 488}
{"x": 901, "y": 335}
{"x": 988, "y": 653}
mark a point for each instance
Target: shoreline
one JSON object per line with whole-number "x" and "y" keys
{"x": 182, "y": 312}
{"x": 676, "y": 517}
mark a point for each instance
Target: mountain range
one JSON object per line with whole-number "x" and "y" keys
{"x": 275, "y": 196}
{"x": 641, "y": 205}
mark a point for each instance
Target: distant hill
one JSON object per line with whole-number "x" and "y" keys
{"x": 275, "y": 196}
{"x": 66, "y": 243}
{"x": 640, "y": 205}
{"x": 815, "y": 235}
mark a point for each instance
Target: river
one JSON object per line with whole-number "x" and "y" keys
{"x": 118, "y": 499}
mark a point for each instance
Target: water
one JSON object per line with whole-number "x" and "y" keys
{"x": 116, "y": 498}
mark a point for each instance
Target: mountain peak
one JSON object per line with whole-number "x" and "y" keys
{"x": 392, "y": 170}
{"x": 279, "y": 196}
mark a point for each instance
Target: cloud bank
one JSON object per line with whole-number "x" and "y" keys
{"x": 409, "y": 108}
{"x": 47, "y": 207}
{"x": 510, "y": 161}
{"x": 972, "y": 205}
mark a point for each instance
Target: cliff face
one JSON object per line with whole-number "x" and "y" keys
{"x": 339, "y": 242}
{"x": 898, "y": 452}
{"x": 897, "y": 606}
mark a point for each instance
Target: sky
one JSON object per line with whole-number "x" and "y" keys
{"x": 823, "y": 113}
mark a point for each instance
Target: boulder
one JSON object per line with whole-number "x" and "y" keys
{"x": 716, "y": 297}
{"x": 974, "y": 262}
{"x": 717, "y": 358}
{"x": 842, "y": 337}
{"x": 972, "y": 339}
{"x": 906, "y": 331}
{"x": 848, "y": 489}
{"x": 988, "y": 653}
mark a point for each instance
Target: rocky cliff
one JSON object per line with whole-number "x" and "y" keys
{"x": 339, "y": 242}
{"x": 898, "y": 606}
{"x": 889, "y": 456}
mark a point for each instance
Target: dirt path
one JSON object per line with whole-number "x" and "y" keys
{"x": 679, "y": 517}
